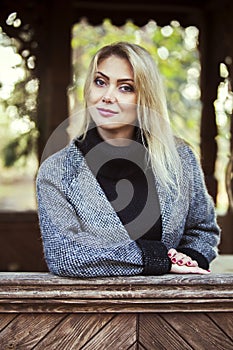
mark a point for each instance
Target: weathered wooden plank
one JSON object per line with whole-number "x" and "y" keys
{"x": 74, "y": 331}
{"x": 44, "y": 285}
{"x": 199, "y": 331}
{"x": 5, "y": 319}
{"x": 141, "y": 347}
{"x": 24, "y": 331}
{"x": 137, "y": 346}
{"x": 114, "y": 305}
{"x": 118, "y": 334}
{"x": 97, "y": 292}
{"x": 155, "y": 333}
{"x": 133, "y": 347}
{"x": 43, "y": 278}
{"x": 45, "y": 293}
{"x": 224, "y": 321}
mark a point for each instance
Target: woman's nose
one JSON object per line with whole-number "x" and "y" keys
{"x": 109, "y": 96}
{"x": 108, "y": 99}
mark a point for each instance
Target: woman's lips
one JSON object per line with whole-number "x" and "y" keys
{"x": 106, "y": 112}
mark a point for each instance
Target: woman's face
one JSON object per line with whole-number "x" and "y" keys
{"x": 112, "y": 98}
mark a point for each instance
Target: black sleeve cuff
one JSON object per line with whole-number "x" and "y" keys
{"x": 201, "y": 260}
{"x": 155, "y": 258}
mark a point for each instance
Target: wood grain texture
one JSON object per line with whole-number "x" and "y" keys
{"x": 133, "y": 347}
{"x": 26, "y": 292}
{"x": 114, "y": 305}
{"x": 119, "y": 334}
{"x": 199, "y": 331}
{"x": 48, "y": 285}
{"x": 155, "y": 333}
{"x": 74, "y": 331}
{"x": 141, "y": 347}
{"x": 46, "y": 279}
{"x": 5, "y": 319}
{"x": 24, "y": 331}
{"x": 41, "y": 311}
{"x": 137, "y": 346}
{"x": 224, "y": 321}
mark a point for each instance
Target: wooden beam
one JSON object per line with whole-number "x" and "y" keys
{"x": 44, "y": 292}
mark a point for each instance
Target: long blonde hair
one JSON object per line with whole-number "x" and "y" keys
{"x": 152, "y": 114}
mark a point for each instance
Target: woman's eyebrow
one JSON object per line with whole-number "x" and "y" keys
{"x": 119, "y": 80}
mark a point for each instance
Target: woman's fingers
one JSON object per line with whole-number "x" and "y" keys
{"x": 171, "y": 252}
{"x": 192, "y": 263}
{"x": 180, "y": 258}
{"x": 186, "y": 260}
{"x": 184, "y": 269}
{"x": 182, "y": 263}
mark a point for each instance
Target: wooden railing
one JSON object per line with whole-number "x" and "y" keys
{"x": 43, "y": 311}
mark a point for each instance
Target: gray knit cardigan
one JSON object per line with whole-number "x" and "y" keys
{"x": 84, "y": 237}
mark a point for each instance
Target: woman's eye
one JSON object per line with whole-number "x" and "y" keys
{"x": 99, "y": 82}
{"x": 127, "y": 88}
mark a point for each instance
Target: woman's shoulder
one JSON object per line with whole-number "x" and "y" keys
{"x": 186, "y": 151}
{"x": 53, "y": 160}
{"x": 55, "y": 164}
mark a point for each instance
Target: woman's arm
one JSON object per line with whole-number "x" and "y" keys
{"x": 202, "y": 233}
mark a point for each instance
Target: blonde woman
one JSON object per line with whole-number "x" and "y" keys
{"x": 125, "y": 197}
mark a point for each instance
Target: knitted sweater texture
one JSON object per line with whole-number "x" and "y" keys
{"x": 84, "y": 237}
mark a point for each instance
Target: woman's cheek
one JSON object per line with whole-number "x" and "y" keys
{"x": 94, "y": 97}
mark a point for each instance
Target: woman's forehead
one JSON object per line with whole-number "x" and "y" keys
{"x": 117, "y": 66}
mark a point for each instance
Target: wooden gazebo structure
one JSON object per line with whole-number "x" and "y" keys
{"x": 50, "y": 23}
{"x": 42, "y": 311}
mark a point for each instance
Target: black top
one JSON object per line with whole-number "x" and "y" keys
{"x": 128, "y": 182}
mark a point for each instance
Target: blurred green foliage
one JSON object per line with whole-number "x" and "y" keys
{"x": 173, "y": 48}
{"x": 18, "y": 121}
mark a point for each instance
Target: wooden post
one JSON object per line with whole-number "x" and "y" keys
{"x": 212, "y": 54}
{"x": 54, "y": 70}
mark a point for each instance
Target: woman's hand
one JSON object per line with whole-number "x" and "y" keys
{"x": 182, "y": 263}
